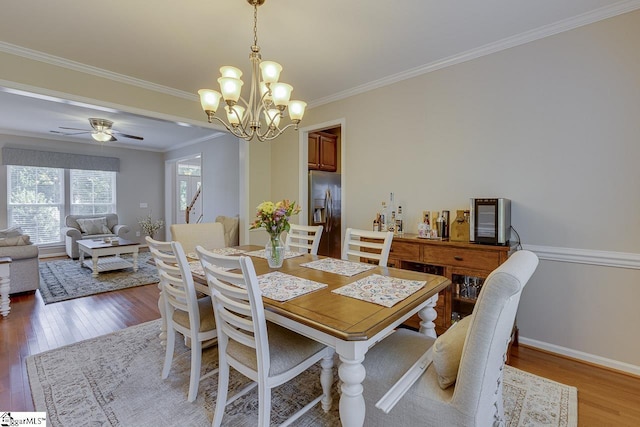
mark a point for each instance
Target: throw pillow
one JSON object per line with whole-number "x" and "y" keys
{"x": 447, "y": 351}
{"x": 93, "y": 225}
{"x": 21, "y": 240}
{"x": 10, "y": 232}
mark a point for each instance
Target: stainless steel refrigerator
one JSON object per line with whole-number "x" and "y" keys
{"x": 324, "y": 209}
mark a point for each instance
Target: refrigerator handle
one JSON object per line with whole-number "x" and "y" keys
{"x": 329, "y": 207}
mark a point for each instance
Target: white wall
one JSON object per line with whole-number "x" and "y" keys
{"x": 552, "y": 125}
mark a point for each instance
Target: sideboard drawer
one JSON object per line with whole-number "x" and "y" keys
{"x": 405, "y": 251}
{"x": 458, "y": 257}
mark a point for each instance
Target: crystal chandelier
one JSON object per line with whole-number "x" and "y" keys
{"x": 268, "y": 98}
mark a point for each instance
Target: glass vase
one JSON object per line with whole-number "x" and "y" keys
{"x": 274, "y": 251}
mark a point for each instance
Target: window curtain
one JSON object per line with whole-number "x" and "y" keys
{"x": 54, "y": 159}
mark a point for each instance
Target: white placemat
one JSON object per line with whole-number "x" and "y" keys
{"x": 382, "y": 290}
{"x": 283, "y": 287}
{"x": 196, "y": 268}
{"x": 339, "y": 266}
{"x": 218, "y": 251}
{"x": 261, "y": 254}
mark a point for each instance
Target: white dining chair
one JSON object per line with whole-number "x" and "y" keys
{"x": 266, "y": 353}
{"x": 183, "y": 311}
{"x": 456, "y": 379}
{"x": 209, "y": 235}
{"x": 377, "y": 250}
{"x": 305, "y": 237}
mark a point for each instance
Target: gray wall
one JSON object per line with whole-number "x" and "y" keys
{"x": 220, "y": 174}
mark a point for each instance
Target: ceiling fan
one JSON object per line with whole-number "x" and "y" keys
{"x": 101, "y": 132}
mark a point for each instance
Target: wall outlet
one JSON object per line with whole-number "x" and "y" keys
{"x": 137, "y": 234}
{"x": 143, "y": 205}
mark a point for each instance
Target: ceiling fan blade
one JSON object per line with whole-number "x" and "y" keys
{"x": 128, "y": 136}
{"x": 113, "y": 138}
{"x": 69, "y": 133}
{"x": 62, "y": 127}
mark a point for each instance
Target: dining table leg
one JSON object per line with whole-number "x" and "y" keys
{"x": 427, "y": 316}
{"x": 351, "y": 373}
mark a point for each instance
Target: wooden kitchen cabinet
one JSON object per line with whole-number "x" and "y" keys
{"x": 457, "y": 261}
{"x": 323, "y": 151}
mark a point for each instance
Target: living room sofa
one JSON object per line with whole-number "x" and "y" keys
{"x": 24, "y": 274}
{"x": 80, "y": 227}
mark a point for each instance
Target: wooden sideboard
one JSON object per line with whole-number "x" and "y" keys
{"x": 454, "y": 260}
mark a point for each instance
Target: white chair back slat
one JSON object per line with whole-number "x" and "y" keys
{"x": 306, "y": 237}
{"x": 380, "y": 248}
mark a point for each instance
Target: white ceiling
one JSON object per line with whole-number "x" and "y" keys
{"x": 329, "y": 49}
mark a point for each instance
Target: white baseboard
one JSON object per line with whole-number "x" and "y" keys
{"x": 579, "y": 355}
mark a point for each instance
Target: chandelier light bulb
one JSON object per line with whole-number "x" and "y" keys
{"x": 230, "y": 88}
{"x": 281, "y": 93}
{"x": 209, "y": 99}
{"x": 272, "y": 117}
{"x": 234, "y": 114}
{"x": 296, "y": 110}
{"x": 229, "y": 71}
{"x": 270, "y": 71}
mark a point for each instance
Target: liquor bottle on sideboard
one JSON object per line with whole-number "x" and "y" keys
{"x": 384, "y": 215}
{"x": 391, "y": 226}
{"x": 391, "y": 209}
{"x": 399, "y": 223}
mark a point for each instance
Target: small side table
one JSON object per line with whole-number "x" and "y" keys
{"x": 5, "y": 285}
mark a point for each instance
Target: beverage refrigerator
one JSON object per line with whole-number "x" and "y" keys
{"x": 324, "y": 209}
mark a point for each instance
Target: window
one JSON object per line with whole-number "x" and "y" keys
{"x": 92, "y": 192}
{"x": 37, "y": 199}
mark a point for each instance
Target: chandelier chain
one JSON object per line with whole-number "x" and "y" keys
{"x": 255, "y": 23}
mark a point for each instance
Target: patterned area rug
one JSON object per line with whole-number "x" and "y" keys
{"x": 66, "y": 279}
{"x": 114, "y": 380}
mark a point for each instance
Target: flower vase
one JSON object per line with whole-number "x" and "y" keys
{"x": 274, "y": 251}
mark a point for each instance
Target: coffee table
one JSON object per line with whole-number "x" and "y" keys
{"x": 105, "y": 256}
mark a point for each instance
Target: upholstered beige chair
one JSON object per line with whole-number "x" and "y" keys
{"x": 266, "y": 353}
{"x": 305, "y": 237}
{"x": 231, "y": 226}
{"x": 377, "y": 250}
{"x": 183, "y": 311}
{"x": 456, "y": 381}
{"x": 209, "y": 235}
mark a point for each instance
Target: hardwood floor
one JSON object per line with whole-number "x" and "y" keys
{"x": 605, "y": 398}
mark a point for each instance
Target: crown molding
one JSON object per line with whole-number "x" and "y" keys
{"x": 509, "y": 42}
{"x": 587, "y": 256}
{"x": 88, "y": 69}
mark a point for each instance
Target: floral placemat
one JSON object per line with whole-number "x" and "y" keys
{"x": 260, "y": 254}
{"x": 339, "y": 266}
{"x": 218, "y": 251}
{"x": 382, "y": 290}
{"x": 196, "y": 268}
{"x": 283, "y": 287}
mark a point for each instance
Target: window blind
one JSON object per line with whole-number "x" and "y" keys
{"x": 54, "y": 159}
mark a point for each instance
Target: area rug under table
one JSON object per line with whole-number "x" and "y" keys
{"x": 114, "y": 380}
{"x": 66, "y": 279}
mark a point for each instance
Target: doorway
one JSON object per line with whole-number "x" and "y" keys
{"x": 189, "y": 190}
{"x": 324, "y": 198}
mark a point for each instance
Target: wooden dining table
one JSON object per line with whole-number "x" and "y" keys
{"x": 351, "y": 326}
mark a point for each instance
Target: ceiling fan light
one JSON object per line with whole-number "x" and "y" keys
{"x": 101, "y": 136}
